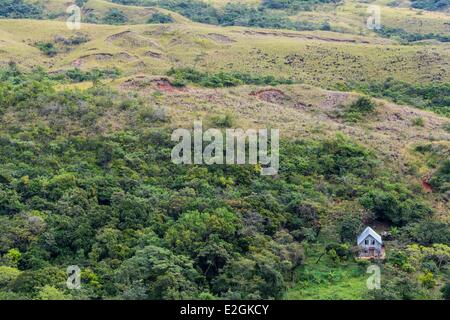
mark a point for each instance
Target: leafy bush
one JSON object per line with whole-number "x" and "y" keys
{"x": 440, "y": 180}
{"x": 115, "y": 16}
{"x": 395, "y": 207}
{"x": 434, "y": 96}
{"x": 47, "y": 48}
{"x": 349, "y": 228}
{"x": 405, "y": 36}
{"x": 418, "y": 122}
{"x": 446, "y": 291}
{"x": 224, "y": 121}
{"x": 359, "y": 109}
{"x": 291, "y": 7}
{"x": 363, "y": 105}
{"x": 77, "y": 75}
{"x": 432, "y": 5}
{"x": 160, "y": 18}
{"x": 221, "y": 79}
{"x": 18, "y": 9}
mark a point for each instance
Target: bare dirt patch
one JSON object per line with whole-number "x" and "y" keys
{"x": 142, "y": 82}
{"x": 220, "y": 38}
{"x": 153, "y": 54}
{"x": 334, "y": 99}
{"x": 270, "y": 95}
{"x": 138, "y": 82}
{"x": 97, "y": 57}
{"x": 160, "y": 30}
{"x": 302, "y": 106}
{"x": 125, "y": 56}
{"x": 118, "y": 36}
{"x": 131, "y": 39}
{"x": 426, "y": 186}
{"x": 165, "y": 85}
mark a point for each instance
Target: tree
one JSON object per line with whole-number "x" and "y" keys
{"x": 51, "y": 293}
{"x": 446, "y": 291}
{"x": 194, "y": 228}
{"x": 163, "y": 274}
{"x": 349, "y": 228}
{"x": 7, "y": 276}
{"x": 12, "y": 258}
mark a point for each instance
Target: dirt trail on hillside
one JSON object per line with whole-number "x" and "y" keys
{"x": 219, "y": 38}
{"x": 301, "y": 36}
{"x": 130, "y": 38}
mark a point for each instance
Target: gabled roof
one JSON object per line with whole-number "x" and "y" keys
{"x": 369, "y": 231}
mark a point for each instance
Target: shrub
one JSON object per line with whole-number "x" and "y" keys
{"x": 404, "y": 36}
{"x": 430, "y": 4}
{"x": 349, "y": 228}
{"x": 359, "y": 109}
{"x": 77, "y": 75}
{"x": 224, "y": 121}
{"x": 47, "y": 48}
{"x": 434, "y": 96}
{"x": 18, "y": 9}
{"x": 446, "y": 291}
{"x": 427, "y": 280}
{"x": 441, "y": 178}
{"x": 363, "y": 105}
{"x": 115, "y": 16}
{"x": 394, "y": 207}
{"x": 222, "y": 79}
{"x": 418, "y": 122}
{"x": 160, "y": 18}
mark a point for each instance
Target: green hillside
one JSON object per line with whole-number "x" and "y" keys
{"x": 86, "y": 176}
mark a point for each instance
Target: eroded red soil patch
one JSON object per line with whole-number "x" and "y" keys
{"x": 426, "y": 185}
{"x": 165, "y": 85}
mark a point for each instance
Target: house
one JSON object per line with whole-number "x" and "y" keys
{"x": 370, "y": 244}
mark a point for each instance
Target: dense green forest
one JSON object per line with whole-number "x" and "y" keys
{"x": 141, "y": 227}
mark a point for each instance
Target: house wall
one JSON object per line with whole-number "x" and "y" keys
{"x": 377, "y": 245}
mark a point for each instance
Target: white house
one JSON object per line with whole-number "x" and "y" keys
{"x": 370, "y": 244}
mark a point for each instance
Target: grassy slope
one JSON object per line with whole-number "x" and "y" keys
{"x": 351, "y": 17}
{"x": 318, "y": 58}
{"x": 98, "y": 8}
{"x": 309, "y": 112}
{"x": 326, "y": 280}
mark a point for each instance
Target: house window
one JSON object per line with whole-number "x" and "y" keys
{"x": 373, "y": 242}
{"x": 366, "y": 242}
